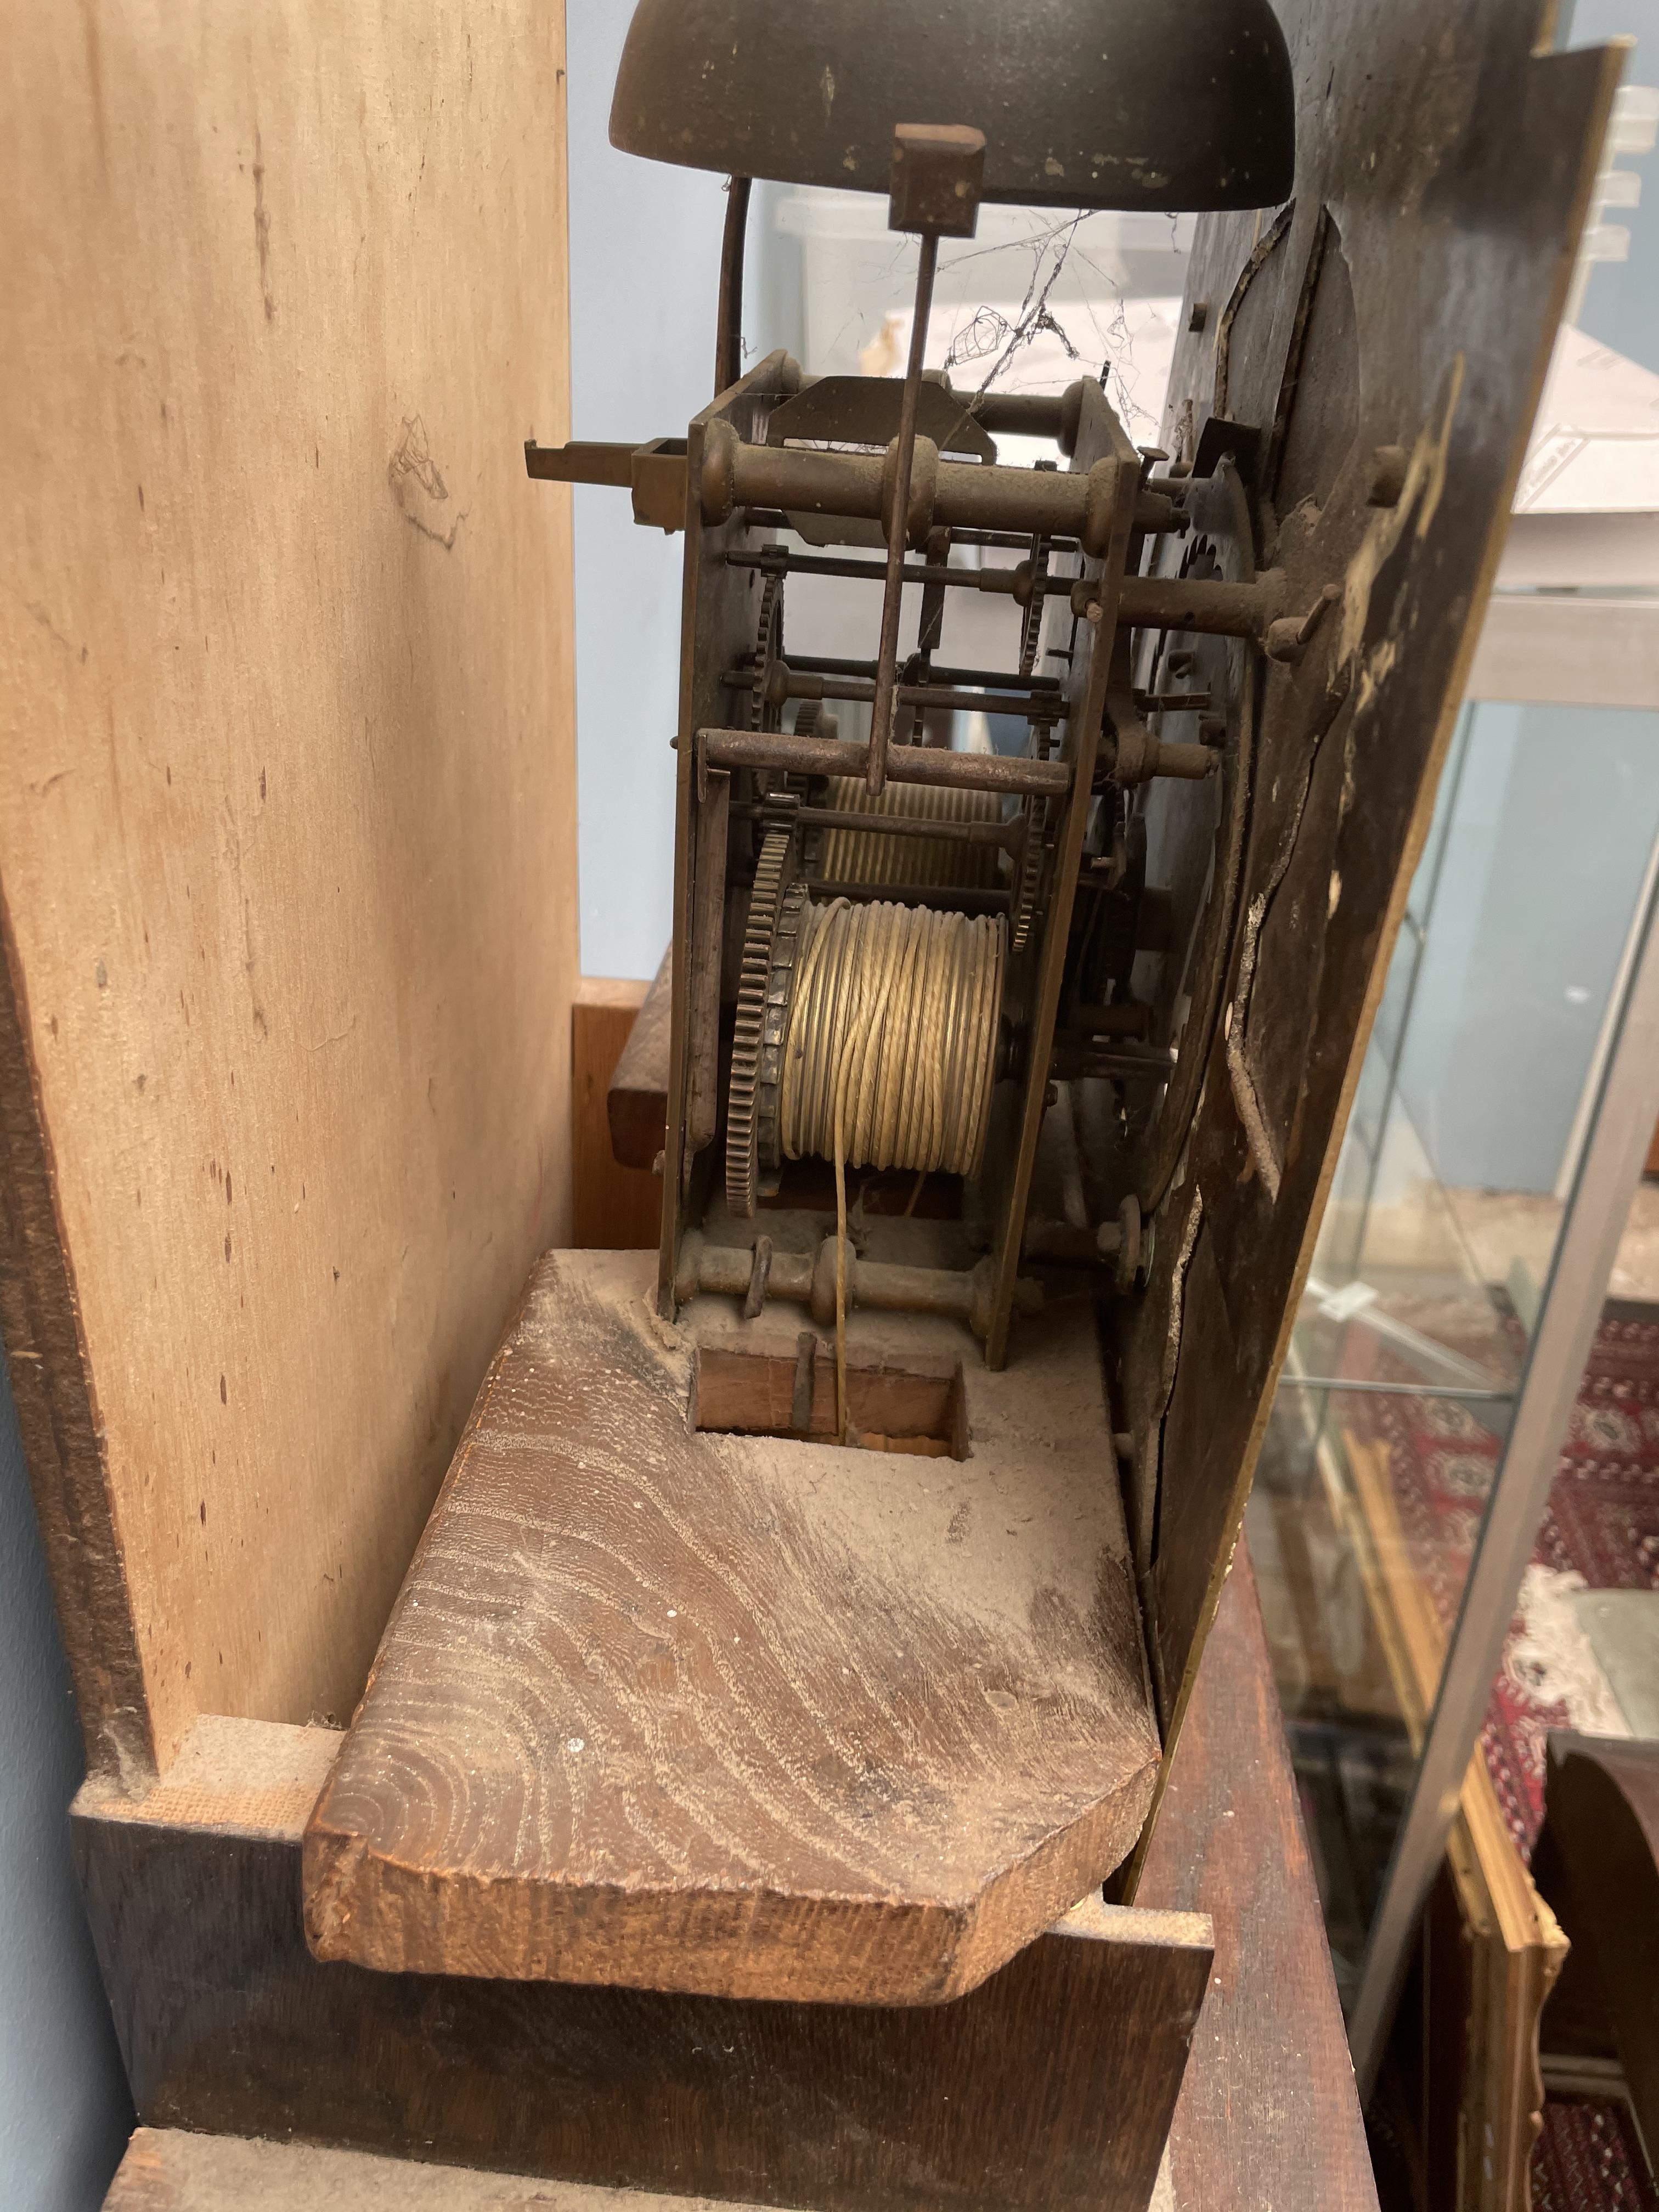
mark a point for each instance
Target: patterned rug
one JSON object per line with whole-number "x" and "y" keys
{"x": 1600, "y": 1532}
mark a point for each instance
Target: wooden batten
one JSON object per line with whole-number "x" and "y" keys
{"x": 636, "y": 1100}
{"x": 616, "y": 1200}
{"x": 287, "y": 826}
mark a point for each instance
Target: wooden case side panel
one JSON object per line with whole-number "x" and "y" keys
{"x": 287, "y": 833}
{"x": 57, "y": 1419}
{"x": 1447, "y": 249}
{"x": 1271, "y": 2116}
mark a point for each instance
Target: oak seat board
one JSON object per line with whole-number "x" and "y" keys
{"x": 739, "y": 1713}
{"x": 250, "y": 2036}
{"x": 844, "y": 2108}
{"x": 288, "y": 815}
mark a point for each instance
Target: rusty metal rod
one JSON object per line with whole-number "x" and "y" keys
{"x": 905, "y": 764}
{"x": 1160, "y": 757}
{"x": 964, "y": 495}
{"x": 1007, "y": 835}
{"x": 1017, "y": 414}
{"x": 788, "y": 683}
{"x": 898, "y": 523}
{"x": 776, "y": 562}
{"x": 967, "y": 496}
{"x": 989, "y": 679}
{"x": 1075, "y": 1057}
{"x": 1171, "y": 602}
{"x": 1006, "y": 541}
{"x": 808, "y": 1279}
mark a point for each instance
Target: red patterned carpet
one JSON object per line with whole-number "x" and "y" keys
{"x": 1600, "y": 1532}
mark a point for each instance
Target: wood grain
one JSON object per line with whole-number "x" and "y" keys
{"x": 1268, "y": 2114}
{"x": 1422, "y": 267}
{"x": 637, "y": 1100}
{"x": 1048, "y": 2089}
{"x": 735, "y": 1713}
{"x": 616, "y": 1207}
{"x": 287, "y": 830}
{"x": 251, "y": 2035}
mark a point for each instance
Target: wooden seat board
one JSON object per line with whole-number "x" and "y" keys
{"x": 250, "y": 2036}
{"x": 740, "y": 1713}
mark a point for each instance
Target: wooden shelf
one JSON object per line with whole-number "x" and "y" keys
{"x": 743, "y": 1714}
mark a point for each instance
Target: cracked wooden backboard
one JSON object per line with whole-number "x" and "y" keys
{"x": 1371, "y": 355}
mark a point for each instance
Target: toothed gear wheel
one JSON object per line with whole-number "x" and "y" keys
{"x": 1030, "y": 634}
{"x": 768, "y": 650}
{"x": 1030, "y": 875}
{"x": 771, "y": 943}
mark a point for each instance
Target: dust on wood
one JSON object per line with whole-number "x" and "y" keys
{"x": 739, "y": 1713}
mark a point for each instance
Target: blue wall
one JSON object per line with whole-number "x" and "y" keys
{"x": 1555, "y": 813}
{"x": 1621, "y": 306}
{"x": 64, "y": 2112}
{"x": 645, "y": 258}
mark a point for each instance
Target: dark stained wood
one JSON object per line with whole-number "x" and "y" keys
{"x": 1601, "y": 1826}
{"x": 57, "y": 1416}
{"x": 1408, "y": 299}
{"x": 1268, "y": 2114}
{"x": 1048, "y": 2089}
{"x": 737, "y": 1713}
{"x": 614, "y": 1207}
{"x": 636, "y": 1102}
